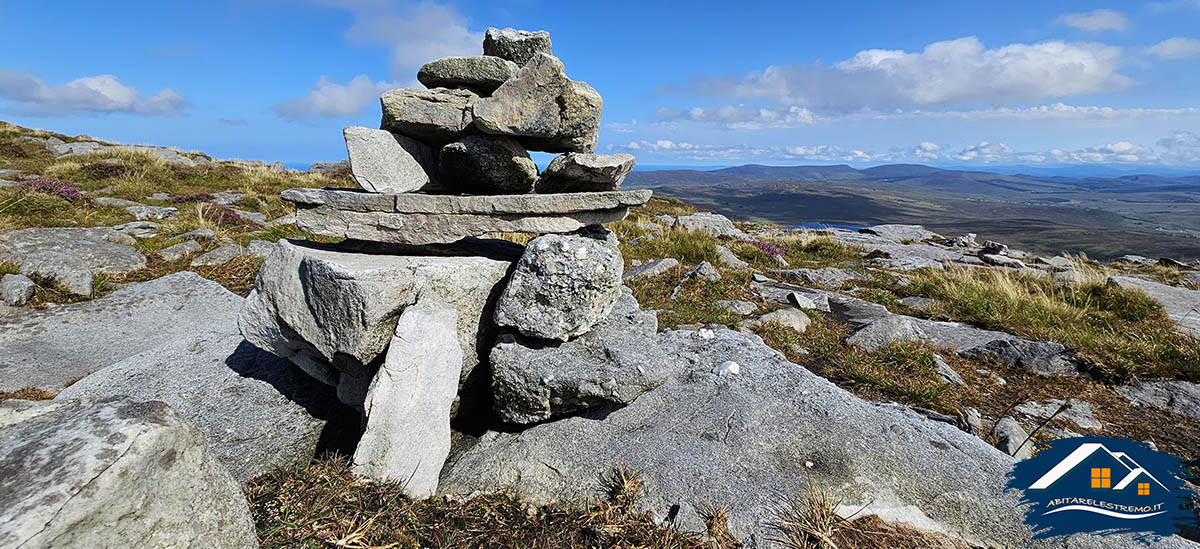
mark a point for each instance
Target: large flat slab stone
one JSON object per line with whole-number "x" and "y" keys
{"x": 428, "y": 219}
{"x": 1181, "y": 304}
{"x": 49, "y": 348}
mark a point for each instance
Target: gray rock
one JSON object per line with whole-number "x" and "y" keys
{"x": 1181, "y": 304}
{"x": 487, "y": 164}
{"x": 142, "y": 212}
{"x": 16, "y": 289}
{"x": 159, "y": 196}
{"x": 139, "y": 229}
{"x": 1136, "y": 259}
{"x": 435, "y": 117}
{"x": 514, "y": 45}
{"x": 916, "y": 302}
{"x": 198, "y": 234}
{"x": 561, "y": 287}
{"x": 795, "y": 319}
{"x": 1017, "y": 254}
{"x": 1042, "y": 357}
{"x": 69, "y": 255}
{"x": 1013, "y": 440}
{"x": 110, "y": 202}
{"x": 963, "y": 241}
{"x": 576, "y": 172}
{"x": 260, "y": 248}
{"x": 825, "y": 276}
{"x": 1057, "y": 263}
{"x": 424, "y": 219}
{"x": 256, "y": 411}
{"x": 1077, "y": 411}
{"x": 947, "y": 373}
{"x": 51, "y": 347}
{"x": 332, "y": 309}
{"x": 1172, "y": 263}
{"x": 220, "y": 255}
{"x": 1181, "y": 397}
{"x": 1002, "y": 261}
{"x": 885, "y": 331}
{"x": 650, "y": 268}
{"x": 325, "y": 167}
{"x": 802, "y": 301}
{"x": 741, "y": 441}
{"x": 900, "y": 233}
{"x": 407, "y": 435}
{"x": 482, "y": 74}
{"x": 884, "y": 245}
{"x": 543, "y": 108}
{"x": 711, "y": 223}
{"x": 703, "y": 271}
{"x": 907, "y": 263}
{"x": 736, "y": 306}
{"x": 726, "y": 256}
{"x": 227, "y": 198}
{"x": 1190, "y": 279}
{"x": 116, "y": 473}
{"x": 180, "y": 251}
{"x": 289, "y": 219}
{"x": 995, "y": 248}
{"x": 254, "y": 217}
{"x": 386, "y": 162}
{"x": 614, "y": 363}
{"x": 277, "y": 167}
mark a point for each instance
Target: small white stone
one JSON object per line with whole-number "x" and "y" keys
{"x": 706, "y": 333}
{"x": 809, "y": 464}
{"x": 728, "y": 367}
{"x": 546, "y": 379}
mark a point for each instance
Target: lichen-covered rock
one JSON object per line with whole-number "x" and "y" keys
{"x": 711, "y": 223}
{"x": 612, "y": 364}
{"x": 561, "y": 287}
{"x": 220, "y": 255}
{"x": 386, "y": 162}
{"x": 650, "y": 268}
{"x": 487, "y": 164}
{"x": 70, "y": 255}
{"x": 116, "y": 473}
{"x": 180, "y": 251}
{"x": 16, "y": 289}
{"x": 517, "y": 46}
{"x": 543, "y": 108}
{"x": 578, "y": 172}
{"x": 483, "y": 73}
{"x": 435, "y": 117}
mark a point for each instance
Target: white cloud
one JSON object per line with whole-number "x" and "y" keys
{"x": 1095, "y": 21}
{"x": 415, "y": 33}
{"x": 103, "y": 93}
{"x": 944, "y": 74}
{"x": 984, "y": 152}
{"x": 1182, "y": 147}
{"x": 1176, "y": 48}
{"x": 331, "y": 99}
{"x": 740, "y": 117}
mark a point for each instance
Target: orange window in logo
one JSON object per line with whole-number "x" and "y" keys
{"x": 1143, "y": 488}
{"x": 1102, "y": 478}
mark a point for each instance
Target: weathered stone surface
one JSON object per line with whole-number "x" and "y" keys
{"x": 726, "y": 256}
{"x": 69, "y": 255}
{"x": 1181, "y": 397}
{"x": 993, "y": 247}
{"x": 1137, "y": 259}
{"x": 487, "y": 164}
{"x": 220, "y": 255}
{"x": 51, "y": 347}
{"x": 650, "y": 268}
{"x": 517, "y": 46}
{"x": 900, "y": 233}
{"x": 139, "y": 229}
{"x": 116, "y": 473}
{"x": 1043, "y": 357}
{"x": 407, "y": 435}
{"x": 483, "y": 73}
{"x": 1013, "y": 440}
{"x": 1002, "y": 261}
{"x": 202, "y": 233}
{"x": 16, "y": 289}
{"x": 947, "y": 373}
{"x": 916, "y": 302}
{"x": 386, "y": 162}
{"x": 260, "y": 248}
{"x": 561, "y": 287}
{"x": 332, "y": 309}
{"x": 1181, "y": 304}
{"x": 575, "y": 172}
{"x": 180, "y": 251}
{"x": 907, "y": 263}
{"x": 711, "y": 223}
{"x": 543, "y": 108}
{"x": 326, "y": 166}
{"x": 825, "y": 276}
{"x": 742, "y": 440}
{"x": 436, "y": 116}
{"x": 426, "y": 219}
{"x": 703, "y": 271}
{"x": 885, "y": 331}
{"x": 614, "y": 363}
{"x": 1076, "y": 411}
{"x": 736, "y": 306}
{"x": 892, "y": 248}
{"x": 143, "y": 212}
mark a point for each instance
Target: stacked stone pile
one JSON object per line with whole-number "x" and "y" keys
{"x": 404, "y": 317}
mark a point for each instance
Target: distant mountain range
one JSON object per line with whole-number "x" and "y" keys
{"x": 1050, "y": 213}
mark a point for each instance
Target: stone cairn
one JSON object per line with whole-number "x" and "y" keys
{"x": 405, "y": 315}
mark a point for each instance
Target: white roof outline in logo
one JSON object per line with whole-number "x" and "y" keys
{"x": 1084, "y": 451}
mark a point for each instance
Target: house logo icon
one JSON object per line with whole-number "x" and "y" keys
{"x": 1101, "y": 486}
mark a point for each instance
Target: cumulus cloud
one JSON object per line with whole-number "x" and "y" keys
{"x": 331, "y": 99}
{"x": 944, "y": 74}
{"x": 414, "y": 32}
{"x": 103, "y": 93}
{"x": 739, "y": 117}
{"x": 1182, "y": 147}
{"x": 1095, "y": 21}
{"x": 1176, "y": 48}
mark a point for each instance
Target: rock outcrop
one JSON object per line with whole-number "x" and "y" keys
{"x": 70, "y": 256}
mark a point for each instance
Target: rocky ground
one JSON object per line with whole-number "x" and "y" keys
{"x": 749, "y": 387}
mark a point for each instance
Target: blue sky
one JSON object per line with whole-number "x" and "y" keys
{"x": 696, "y": 83}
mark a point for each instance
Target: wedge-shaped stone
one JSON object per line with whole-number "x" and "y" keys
{"x": 543, "y": 108}
{"x": 487, "y": 164}
{"x": 483, "y": 73}
{"x": 575, "y": 172}
{"x": 436, "y": 116}
{"x": 516, "y": 45}
{"x": 386, "y": 162}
